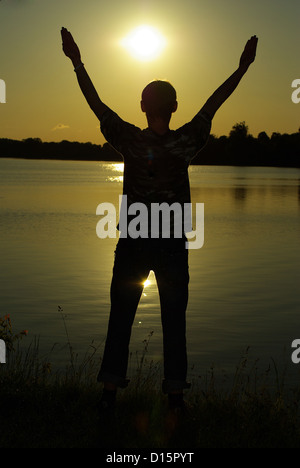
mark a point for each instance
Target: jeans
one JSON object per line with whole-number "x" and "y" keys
{"x": 134, "y": 258}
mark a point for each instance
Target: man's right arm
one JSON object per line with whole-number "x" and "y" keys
{"x": 89, "y": 92}
{"x": 71, "y": 50}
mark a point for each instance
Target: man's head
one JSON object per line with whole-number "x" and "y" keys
{"x": 159, "y": 100}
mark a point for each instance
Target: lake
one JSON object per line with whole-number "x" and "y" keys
{"x": 244, "y": 281}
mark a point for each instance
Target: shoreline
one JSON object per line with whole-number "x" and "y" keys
{"x": 32, "y": 158}
{"x": 237, "y": 149}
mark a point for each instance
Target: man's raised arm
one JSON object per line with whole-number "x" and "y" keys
{"x": 71, "y": 50}
{"x": 226, "y": 89}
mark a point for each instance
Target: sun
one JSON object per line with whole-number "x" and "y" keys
{"x": 144, "y": 43}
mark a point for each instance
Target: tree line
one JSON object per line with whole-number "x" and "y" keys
{"x": 239, "y": 148}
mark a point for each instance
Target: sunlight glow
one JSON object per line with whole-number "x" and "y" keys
{"x": 144, "y": 43}
{"x": 116, "y": 167}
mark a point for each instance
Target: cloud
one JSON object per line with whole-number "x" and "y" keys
{"x": 60, "y": 127}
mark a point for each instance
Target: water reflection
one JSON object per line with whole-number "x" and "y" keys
{"x": 240, "y": 193}
{"x": 244, "y": 281}
{"x": 115, "y": 167}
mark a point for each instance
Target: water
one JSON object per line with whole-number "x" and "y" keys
{"x": 244, "y": 286}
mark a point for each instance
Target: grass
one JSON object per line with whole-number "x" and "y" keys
{"x": 41, "y": 408}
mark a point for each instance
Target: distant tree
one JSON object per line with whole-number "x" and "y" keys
{"x": 32, "y": 141}
{"x": 263, "y": 137}
{"x": 275, "y": 135}
{"x": 239, "y": 130}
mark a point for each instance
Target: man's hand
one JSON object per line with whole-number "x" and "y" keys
{"x": 70, "y": 47}
{"x": 248, "y": 55}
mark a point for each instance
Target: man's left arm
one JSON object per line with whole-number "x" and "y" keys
{"x": 226, "y": 89}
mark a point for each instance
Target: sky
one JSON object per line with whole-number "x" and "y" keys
{"x": 204, "y": 41}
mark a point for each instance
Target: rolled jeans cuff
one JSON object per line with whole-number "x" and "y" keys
{"x": 172, "y": 385}
{"x": 114, "y": 379}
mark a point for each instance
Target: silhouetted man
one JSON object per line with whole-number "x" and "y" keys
{"x": 156, "y": 162}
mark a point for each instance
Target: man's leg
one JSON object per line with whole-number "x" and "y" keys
{"x": 129, "y": 274}
{"x": 172, "y": 278}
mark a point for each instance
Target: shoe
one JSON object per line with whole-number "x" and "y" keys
{"x": 182, "y": 411}
{"x": 106, "y": 411}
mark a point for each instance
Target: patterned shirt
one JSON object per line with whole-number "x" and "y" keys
{"x": 156, "y": 166}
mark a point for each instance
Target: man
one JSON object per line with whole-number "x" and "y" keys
{"x": 156, "y": 164}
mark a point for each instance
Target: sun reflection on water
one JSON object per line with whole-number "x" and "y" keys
{"x": 116, "y": 167}
{"x": 150, "y": 281}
